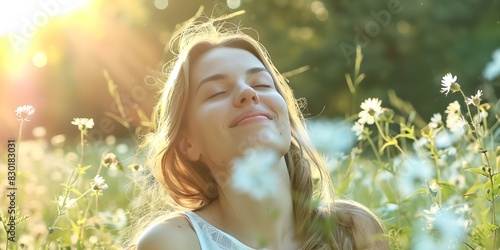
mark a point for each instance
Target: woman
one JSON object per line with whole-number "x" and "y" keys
{"x": 223, "y": 99}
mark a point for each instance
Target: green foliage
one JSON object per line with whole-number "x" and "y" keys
{"x": 445, "y": 172}
{"x": 421, "y": 36}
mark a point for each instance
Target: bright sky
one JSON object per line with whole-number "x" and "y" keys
{"x": 23, "y": 16}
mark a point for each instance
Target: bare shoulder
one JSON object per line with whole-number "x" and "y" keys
{"x": 172, "y": 233}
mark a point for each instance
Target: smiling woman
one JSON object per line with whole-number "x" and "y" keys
{"x": 232, "y": 163}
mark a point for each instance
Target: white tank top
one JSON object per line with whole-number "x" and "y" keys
{"x": 211, "y": 238}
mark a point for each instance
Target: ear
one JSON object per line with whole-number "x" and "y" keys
{"x": 188, "y": 148}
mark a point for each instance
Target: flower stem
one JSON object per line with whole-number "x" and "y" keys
{"x": 382, "y": 134}
{"x": 494, "y": 219}
{"x": 67, "y": 190}
{"x": 80, "y": 236}
{"x": 486, "y": 159}
{"x": 61, "y": 213}
{"x": 82, "y": 144}
{"x": 19, "y": 141}
{"x": 386, "y": 129}
{"x": 468, "y": 110}
{"x": 51, "y": 231}
{"x": 435, "y": 157}
{"x": 375, "y": 151}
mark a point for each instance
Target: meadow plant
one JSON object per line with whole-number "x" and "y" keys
{"x": 434, "y": 183}
{"x": 436, "y": 186}
{"x": 59, "y": 189}
{"x": 14, "y": 218}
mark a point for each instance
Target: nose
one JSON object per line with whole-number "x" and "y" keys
{"x": 247, "y": 95}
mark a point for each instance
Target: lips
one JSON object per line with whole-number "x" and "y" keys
{"x": 249, "y": 114}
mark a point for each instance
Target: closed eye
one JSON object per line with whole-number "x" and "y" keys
{"x": 262, "y": 86}
{"x": 216, "y": 94}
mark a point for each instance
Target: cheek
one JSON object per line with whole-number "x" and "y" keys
{"x": 211, "y": 115}
{"x": 208, "y": 120}
{"x": 279, "y": 107}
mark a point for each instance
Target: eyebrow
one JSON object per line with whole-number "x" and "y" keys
{"x": 215, "y": 77}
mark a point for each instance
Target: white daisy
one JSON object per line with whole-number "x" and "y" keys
{"x": 449, "y": 227}
{"x": 478, "y": 118}
{"x": 464, "y": 209}
{"x": 475, "y": 99}
{"x": 83, "y": 123}
{"x": 453, "y": 107}
{"x": 446, "y": 83}
{"x": 371, "y": 110}
{"x": 420, "y": 143}
{"x": 461, "y": 124}
{"x": 453, "y": 115}
{"x": 457, "y": 180}
{"x": 116, "y": 220}
{"x": 253, "y": 173}
{"x": 359, "y": 130}
{"x": 436, "y": 120}
{"x": 24, "y": 111}
{"x": 441, "y": 232}
{"x": 332, "y": 137}
{"x": 110, "y": 159}
{"x": 445, "y": 139}
{"x": 414, "y": 174}
{"x": 451, "y": 151}
{"x": 430, "y": 214}
{"x": 65, "y": 203}
{"x": 99, "y": 183}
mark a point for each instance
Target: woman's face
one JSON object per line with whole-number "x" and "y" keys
{"x": 233, "y": 105}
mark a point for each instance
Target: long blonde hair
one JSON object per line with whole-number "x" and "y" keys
{"x": 180, "y": 185}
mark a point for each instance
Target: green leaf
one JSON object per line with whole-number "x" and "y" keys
{"x": 489, "y": 227}
{"x": 383, "y": 166}
{"x": 360, "y": 78}
{"x": 349, "y": 83}
{"x": 391, "y": 142}
{"x": 478, "y": 171}
{"x": 449, "y": 186}
{"x": 83, "y": 170}
{"x": 81, "y": 221}
{"x": 473, "y": 188}
{"x": 496, "y": 108}
{"x": 21, "y": 218}
{"x": 75, "y": 191}
{"x": 496, "y": 183}
{"x": 418, "y": 191}
{"x": 346, "y": 181}
{"x": 476, "y": 196}
{"x": 74, "y": 227}
{"x": 388, "y": 191}
{"x": 407, "y": 132}
{"x": 296, "y": 71}
{"x": 123, "y": 122}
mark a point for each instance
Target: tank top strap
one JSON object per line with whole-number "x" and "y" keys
{"x": 211, "y": 238}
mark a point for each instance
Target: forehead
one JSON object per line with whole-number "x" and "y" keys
{"x": 223, "y": 60}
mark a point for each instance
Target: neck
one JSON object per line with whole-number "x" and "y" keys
{"x": 268, "y": 222}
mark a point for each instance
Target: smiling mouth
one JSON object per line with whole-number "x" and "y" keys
{"x": 251, "y": 117}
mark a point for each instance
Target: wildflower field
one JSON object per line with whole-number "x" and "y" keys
{"x": 435, "y": 185}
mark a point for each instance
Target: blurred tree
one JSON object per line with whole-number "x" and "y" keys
{"x": 408, "y": 46}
